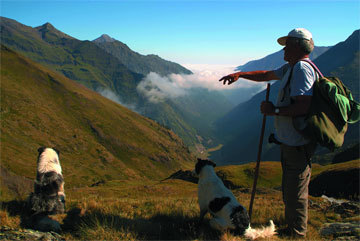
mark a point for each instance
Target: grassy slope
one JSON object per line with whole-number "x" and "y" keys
{"x": 98, "y": 139}
{"x": 270, "y": 173}
{"x": 88, "y": 64}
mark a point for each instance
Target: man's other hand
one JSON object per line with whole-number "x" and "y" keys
{"x": 267, "y": 108}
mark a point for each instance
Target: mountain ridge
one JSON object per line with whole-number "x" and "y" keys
{"x": 275, "y": 60}
{"x": 136, "y": 62}
{"x": 97, "y": 138}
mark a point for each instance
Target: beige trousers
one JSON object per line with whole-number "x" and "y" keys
{"x": 296, "y": 173}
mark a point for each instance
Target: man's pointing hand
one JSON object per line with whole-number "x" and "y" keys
{"x": 231, "y": 78}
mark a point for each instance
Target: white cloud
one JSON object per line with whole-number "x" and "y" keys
{"x": 157, "y": 88}
{"x": 112, "y": 96}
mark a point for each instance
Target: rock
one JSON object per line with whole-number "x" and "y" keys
{"x": 7, "y": 233}
{"x": 47, "y": 224}
{"x": 183, "y": 175}
{"x": 343, "y": 207}
{"x": 345, "y": 230}
{"x": 98, "y": 183}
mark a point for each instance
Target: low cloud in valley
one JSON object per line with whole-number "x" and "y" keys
{"x": 158, "y": 88}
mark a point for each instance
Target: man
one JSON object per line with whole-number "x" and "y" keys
{"x": 293, "y": 101}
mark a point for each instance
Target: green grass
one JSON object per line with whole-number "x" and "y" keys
{"x": 158, "y": 211}
{"x": 243, "y": 175}
{"x": 168, "y": 210}
{"x": 317, "y": 169}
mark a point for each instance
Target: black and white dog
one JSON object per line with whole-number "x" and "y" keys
{"x": 227, "y": 212}
{"x": 48, "y": 196}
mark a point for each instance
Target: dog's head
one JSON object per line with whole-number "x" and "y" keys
{"x": 240, "y": 218}
{"x": 48, "y": 160}
{"x": 202, "y": 163}
{"x": 48, "y": 151}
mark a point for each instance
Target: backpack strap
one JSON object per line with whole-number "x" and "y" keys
{"x": 287, "y": 83}
{"x": 291, "y": 72}
{"x": 314, "y": 66}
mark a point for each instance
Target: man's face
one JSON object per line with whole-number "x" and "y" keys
{"x": 291, "y": 50}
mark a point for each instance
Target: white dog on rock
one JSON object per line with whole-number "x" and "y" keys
{"x": 48, "y": 196}
{"x": 227, "y": 212}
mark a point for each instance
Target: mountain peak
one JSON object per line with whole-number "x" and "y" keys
{"x": 104, "y": 39}
{"x": 48, "y": 26}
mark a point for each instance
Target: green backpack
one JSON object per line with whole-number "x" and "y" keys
{"x": 332, "y": 108}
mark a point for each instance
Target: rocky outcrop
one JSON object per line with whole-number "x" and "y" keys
{"x": 347, "y": 210}
{"x": 183, "y": 175}
{"x": 7, "y": 233}
{"x": 341, "y": 231}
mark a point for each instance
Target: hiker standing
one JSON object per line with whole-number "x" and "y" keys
{"x": 294, "y": 98}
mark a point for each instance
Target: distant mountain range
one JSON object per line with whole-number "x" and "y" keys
{"x": 142, "y": 64}
{"x": 240, "y": 128}
{"x": 82, "y": 61}
{"x": 98, "y": 139}
{"x": 275, "y": 60}
{"x": 108, "y": 64}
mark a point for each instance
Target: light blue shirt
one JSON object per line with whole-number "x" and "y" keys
{"x": 301, "y": 83}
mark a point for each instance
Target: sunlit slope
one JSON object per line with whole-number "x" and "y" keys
{"x": 98, "y": 139}
{"x": 336, "y": 180}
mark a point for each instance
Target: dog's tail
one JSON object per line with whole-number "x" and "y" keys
{"x": 264, "y": 232}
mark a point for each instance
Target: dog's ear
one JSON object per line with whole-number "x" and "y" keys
{"x": 199, "y": 165}
{"x": 211, "y": 163}
{"x": 57, "y": 151}
{"x": 41, "y": 149}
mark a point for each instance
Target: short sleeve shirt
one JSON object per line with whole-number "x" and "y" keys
{"x": 301, "y": 83}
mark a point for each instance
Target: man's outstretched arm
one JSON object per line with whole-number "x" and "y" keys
{"x": 257, "y": 76}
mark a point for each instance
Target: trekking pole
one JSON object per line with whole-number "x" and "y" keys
{"x": 258, "y": 156}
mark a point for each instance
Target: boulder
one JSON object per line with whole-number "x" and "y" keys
{"x": 349, "y": 231}
{"x": 7, "y": 233}
{"x": 46, "y": 224}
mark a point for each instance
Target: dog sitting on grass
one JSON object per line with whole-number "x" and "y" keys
{"x": 48, "y": 197}
{"x": 227, "y": 212}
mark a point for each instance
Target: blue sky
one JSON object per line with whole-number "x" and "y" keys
{"x": 193, "y": 32}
